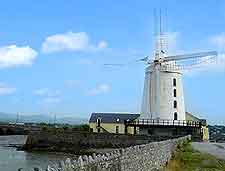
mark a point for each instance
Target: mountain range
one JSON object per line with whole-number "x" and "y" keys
{"x": 38, "y": 118}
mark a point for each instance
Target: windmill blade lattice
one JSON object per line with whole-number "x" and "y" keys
{"x": 191, "y": 55}
{"x": 145, "y": 59}
{"x": 188, "y": 64}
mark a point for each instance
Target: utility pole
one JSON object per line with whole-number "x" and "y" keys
{"x": 54, "y": 120}
{"x": 17, "y": 118}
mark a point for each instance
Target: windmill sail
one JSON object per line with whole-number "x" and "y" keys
{"x": 189, "y": 61}
{"x": 188, "y": 56}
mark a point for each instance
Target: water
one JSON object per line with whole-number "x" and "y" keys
{"x": 12, "y": 160}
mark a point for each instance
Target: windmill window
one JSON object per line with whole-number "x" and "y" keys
{"x": 99, "y": 130}
{"x": 98, "y": 122}
{"x": 117, "y": 129}
{"x": 174, "y": 82}
{"x": 175, "y": 104}
{"x": 175, "y": 116}
{"x": 125, "y": 130}
{"x": 174, "y": 93}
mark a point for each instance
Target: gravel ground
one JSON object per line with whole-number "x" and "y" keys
{"x": 216, "y": 149}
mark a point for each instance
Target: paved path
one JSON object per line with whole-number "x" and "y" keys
{"x": 216, "y": 149}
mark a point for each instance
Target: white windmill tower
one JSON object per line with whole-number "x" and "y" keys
{"x": 163, "y": 96}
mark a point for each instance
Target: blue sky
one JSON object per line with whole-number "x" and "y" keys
{"x": 52, "y": 55}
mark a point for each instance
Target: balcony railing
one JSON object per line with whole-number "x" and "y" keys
{"x": 161, "y": 122}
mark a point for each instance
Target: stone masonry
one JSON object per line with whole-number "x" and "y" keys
{"x": 147, "y": 157}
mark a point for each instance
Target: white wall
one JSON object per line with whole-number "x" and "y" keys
{"x": 166, "y": 111}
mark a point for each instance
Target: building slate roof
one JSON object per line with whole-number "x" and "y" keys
{"x": 113, "y": 117}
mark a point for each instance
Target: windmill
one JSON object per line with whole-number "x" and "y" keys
{"x": 163, "y": 96}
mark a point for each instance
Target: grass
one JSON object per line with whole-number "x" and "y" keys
{"x": 188, "y": 159}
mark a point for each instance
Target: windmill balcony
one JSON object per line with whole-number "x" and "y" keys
{"x": 161, "y": 122}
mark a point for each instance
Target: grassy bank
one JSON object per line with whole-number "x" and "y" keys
{"x": 188, "y": 159}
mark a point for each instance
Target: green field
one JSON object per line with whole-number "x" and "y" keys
{"x": 188, "y": 159}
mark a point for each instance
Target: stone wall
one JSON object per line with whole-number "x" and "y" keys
{"x": 82, "y": 142}
{"x": 148, "y": 157}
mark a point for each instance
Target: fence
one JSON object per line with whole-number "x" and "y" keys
{"x": 160, "y": 122}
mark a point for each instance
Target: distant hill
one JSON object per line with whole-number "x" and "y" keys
{"x": 7, "y": 117}
{"x": 217, "y": 133}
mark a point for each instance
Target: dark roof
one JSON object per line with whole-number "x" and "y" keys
{"x": 113, "y": 117}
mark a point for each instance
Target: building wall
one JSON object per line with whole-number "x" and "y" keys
{"x": 205, "y": 132}
{"x": 204, "y": 129}
{"x": 166, "y": 100}
{"x": 111, "y": 128}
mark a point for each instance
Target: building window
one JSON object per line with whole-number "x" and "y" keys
{"x": 175, "y": 104}
{"x": 98, "y": 122}
{"x": 91, "y": 129}
{"x": 174, "y": 82}
{"x": 175, "y": 116}
{"x": 174, "y": 93}
{"x": 117, "y": 129}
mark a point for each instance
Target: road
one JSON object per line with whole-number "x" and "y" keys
{"x": 216, "y": 149}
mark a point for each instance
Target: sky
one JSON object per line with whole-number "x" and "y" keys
{"x": 52, "y": 55}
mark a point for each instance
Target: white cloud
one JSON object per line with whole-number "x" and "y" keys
{"x": 218, "y": 40}
{"x": 218, "y": 65}
{"x": 85, "y": 61}
{"x": 51, "y": 100}
{"x": 208, "y": 65}
{"x": 12, "y": 55}
{"x": 72, "y": 83}
{"x": 205, "y": 64}
{"x": 100, "y": 89}
{"x": 41, "y": 92}
{"x": 48, "y": 96}
{"x": 70, "y": 41}
{"x": 6, "y": 90}
{"x": 172, "y": 42}
{"x": 46, "y": 92}
{"x": 102, "y": 44}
